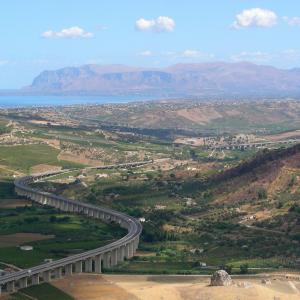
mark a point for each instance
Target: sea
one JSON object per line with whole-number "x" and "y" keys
{"x": 39, "y": 101}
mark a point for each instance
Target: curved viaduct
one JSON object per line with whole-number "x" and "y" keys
{"x": 89, "y": 261}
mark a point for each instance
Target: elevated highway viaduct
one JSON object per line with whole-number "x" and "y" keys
{"x": 253, "y": 145}
{"x": 90, "y": 261}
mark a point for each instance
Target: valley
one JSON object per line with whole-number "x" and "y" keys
{"x": 204, "y": 199}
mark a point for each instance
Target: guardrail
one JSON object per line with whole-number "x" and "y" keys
{"x": 89, "y": 261}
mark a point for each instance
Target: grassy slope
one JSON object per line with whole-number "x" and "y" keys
{"x": 22, "y": 158}
{"x": 214, "y": 222}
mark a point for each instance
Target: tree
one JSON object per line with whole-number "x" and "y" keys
{"x": 52, "y": 219}
{"x": 262, "y": 194}
{"x": 227, "y": 268}
{"x": 172, "y": 175}
{"x": 244, "y": 268}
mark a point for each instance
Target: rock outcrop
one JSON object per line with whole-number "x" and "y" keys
{"x": 220, "y": 278}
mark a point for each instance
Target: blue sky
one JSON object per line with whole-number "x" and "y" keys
{"x": 42, "y": 35}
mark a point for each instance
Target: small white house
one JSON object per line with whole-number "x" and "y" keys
{"x": 26, "y": 248}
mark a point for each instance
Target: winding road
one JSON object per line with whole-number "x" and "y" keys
{"x": 89, "y": 261}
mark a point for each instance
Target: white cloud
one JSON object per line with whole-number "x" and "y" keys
{"x": 3, "y": 62}
{"x": 169, "y": 53}
{"x": 165, "y": 24}
{"x": 143, "y": 24}
{"x": 160, "y": 24}
{"x": 146, "y": 53}
{"x": 68, "y": 33}
{"x": 284, "y": 58}
{"x": 189, "y": 54}
{"x": 255, "y": 17}
{"x": 290, "y": 55}
{"x": 195, "y": 54}
{"x": 256, "y": 56}
{"x": 292, "y": 21}
{"x": 102, "y": 27}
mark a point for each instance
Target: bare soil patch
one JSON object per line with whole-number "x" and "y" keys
{"x": 201, "y": 116}
{"x": 13, "y": 203}
{"x": 20, "y": 238}
{"x": 42, "y": 122}
{"x": 283, "y": 136}
{"x": 78, "y": 158}
{"x": 190, "y": 141}
{"x": 144, "y": 287}
{"x": 93, "y": 287}
{"x": 42, "y": 168}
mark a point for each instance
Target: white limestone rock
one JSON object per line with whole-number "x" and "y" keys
{"x": 220, "y": 278}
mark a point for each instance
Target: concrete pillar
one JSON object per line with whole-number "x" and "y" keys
{"x": 78, "y": 267}
{"x": 71, "y": 207}
{"x": 43, "y": 199}
{"x": 58, "y": 273}
{"x": 121, "y": 252}
{"x": 68, "y": 270}
{"x": 89, "y": 265}
{"x": 136, "y": 243}
{"x": 131, "y": 253}
{"x": 11, "y": 287}
{"x": 127, "y": 252}
{"x": 123, "y": 225}
{"x": 106, "y": 260}
{"x": 114, "y": 257}
{"x": 75, "y": 208}
{"x": 98, "y": 264}
{"x": 23, "y": 283}
{"x": 35, "y": 279}
{"x": 47, "y": 276}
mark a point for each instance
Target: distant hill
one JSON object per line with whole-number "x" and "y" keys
{"x": 205, "y": 79}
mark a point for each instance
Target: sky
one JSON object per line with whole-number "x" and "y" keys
{"x": 51, "y": 34}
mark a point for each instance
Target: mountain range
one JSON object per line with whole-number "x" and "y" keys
{"x": 201, "y": 79}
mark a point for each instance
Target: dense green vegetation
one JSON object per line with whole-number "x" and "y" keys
{"x": 71, "y": 234}
{"x": 43, "y": 291}
{"x": 177, "y": 237}
{"x": 194, "y": 206}
{"x": 7, "y": 189}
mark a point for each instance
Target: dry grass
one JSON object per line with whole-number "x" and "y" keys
{"x": 78, "y": 158}
{"x": 132, "y": 287}
{"x": 41, "y": 168}
{"x": 17, "y": 239}
{"x": 201, "y": 116}
{"x": 283, "y": 136}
